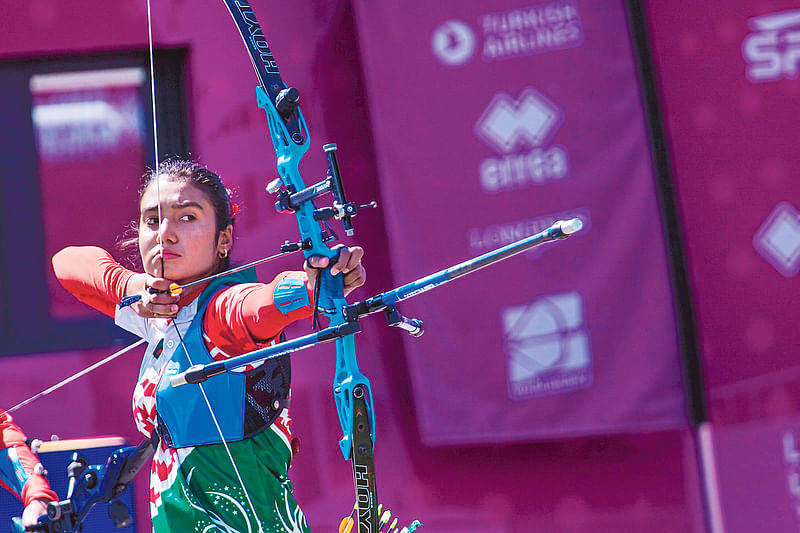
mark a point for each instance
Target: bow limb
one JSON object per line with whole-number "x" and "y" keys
{"x": 290, "y": 139}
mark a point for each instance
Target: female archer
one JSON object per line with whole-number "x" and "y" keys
{"x": 232, "y": 477}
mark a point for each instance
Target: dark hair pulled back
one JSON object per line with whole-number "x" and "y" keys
{"x": 177, "y": 169}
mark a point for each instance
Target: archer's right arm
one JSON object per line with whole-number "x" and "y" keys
{"x": 92, "y": 275}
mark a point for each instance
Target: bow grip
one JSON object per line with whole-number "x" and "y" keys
{"x": 331, "y": 287}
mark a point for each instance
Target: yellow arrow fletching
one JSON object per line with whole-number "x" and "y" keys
{"x": 347, "y": 525}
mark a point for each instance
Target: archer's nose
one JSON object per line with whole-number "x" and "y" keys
{"x": 166, "y": 231}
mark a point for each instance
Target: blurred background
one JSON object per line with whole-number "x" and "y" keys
{"x": 641, "y": 376}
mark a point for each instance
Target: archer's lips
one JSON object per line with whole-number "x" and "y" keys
{"x": 166, "y": 255}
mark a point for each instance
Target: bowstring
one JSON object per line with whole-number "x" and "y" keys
{"x": 219, "y": 430}
{"x": 163, "y": 274}
{"x": 155, "y": 130}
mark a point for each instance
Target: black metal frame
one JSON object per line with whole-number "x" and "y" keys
{"x": 691, "y": 364}
{"x": 25, "y": 323}
{"x": 685, "y": 318}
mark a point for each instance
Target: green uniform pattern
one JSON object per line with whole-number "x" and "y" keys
{"x": 206, "y": 495}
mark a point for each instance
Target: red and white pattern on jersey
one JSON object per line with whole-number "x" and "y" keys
{"x": 219, "y": 355}
{"x": 144, "y": 402}
{"x": 163, "y": 472}
{"x": 282, "y": 429}
{"x": 166, "y": 460}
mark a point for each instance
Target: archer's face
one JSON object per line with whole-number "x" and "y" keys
{"x": 188, "y": 242}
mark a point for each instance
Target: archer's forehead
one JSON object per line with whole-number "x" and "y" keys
{"x": 172, "y": 193}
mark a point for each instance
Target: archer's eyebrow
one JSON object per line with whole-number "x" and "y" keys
{"x": 176, "y": 205}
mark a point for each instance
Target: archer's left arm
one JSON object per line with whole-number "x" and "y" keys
{"x": 245, "y": 317}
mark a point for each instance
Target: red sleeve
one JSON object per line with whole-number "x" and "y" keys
{"x": 91, "y": 275}
{"x": 243, "y": 317}
{"x": 37, "y": 486}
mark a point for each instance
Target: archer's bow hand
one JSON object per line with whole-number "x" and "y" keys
{"x": 348, "y": 264}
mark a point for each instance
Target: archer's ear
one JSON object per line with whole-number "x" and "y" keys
{"x": 225, "y": 239}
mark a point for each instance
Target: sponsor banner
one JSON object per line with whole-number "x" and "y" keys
{"x": 732, "y": 139}
{"x": 733, "y": 145}
{"x": 490, "y": 124}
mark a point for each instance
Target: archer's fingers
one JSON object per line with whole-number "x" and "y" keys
{"x": 354, "y": 279}
{"x": 348, "y": 259}
{"x": 316, "y": 261}
{"x": 353, "y": 259}
{"x": 158, "y": 304}
{"x": 157, "y": 284}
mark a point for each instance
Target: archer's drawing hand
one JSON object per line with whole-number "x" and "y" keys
{"x": 156, "y": 302}
{"x": 348, "y": 265}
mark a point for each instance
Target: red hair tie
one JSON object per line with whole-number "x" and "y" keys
{"x": 234, "y": 209}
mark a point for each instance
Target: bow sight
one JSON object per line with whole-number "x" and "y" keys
{"x": 291, "y": 200}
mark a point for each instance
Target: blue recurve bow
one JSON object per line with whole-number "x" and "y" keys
{"x": 290, "y": 138}
{"x": 353, "y": 396}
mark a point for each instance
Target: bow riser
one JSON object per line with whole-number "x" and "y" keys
{"x": 290, "y": 138}
{"x": 331, "y": 297}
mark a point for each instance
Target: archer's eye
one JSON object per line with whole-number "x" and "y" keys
{"x": 151, "y": 221}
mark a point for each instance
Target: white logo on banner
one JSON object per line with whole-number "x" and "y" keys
{"x": 509, "y": 125}
{"x": 485, "y": 239}
{"x": 453, "y": 43}
{"x": 512, "y": 33}
{"x": 773, "y": 49}
{"x": 547, "y": 346}
{"x": 778, "y": 239}
{"x": 531, "y": 30}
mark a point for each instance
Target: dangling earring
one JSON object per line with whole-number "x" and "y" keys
{"x": 223, "y": 254}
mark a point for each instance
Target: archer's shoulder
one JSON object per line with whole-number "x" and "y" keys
{"x": 72, "y": 256}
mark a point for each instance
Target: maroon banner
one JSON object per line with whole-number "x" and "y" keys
{"x": 490, "y": 124}
{"x": 728, "y": 74}
{"x": 732, "y": 140}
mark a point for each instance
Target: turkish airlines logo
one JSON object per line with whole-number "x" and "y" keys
{"x": 511, "y": 33}
{"x": 520, "y": 129}
{"x": 453, "y": 43}
{"x": 772, "y": 51}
